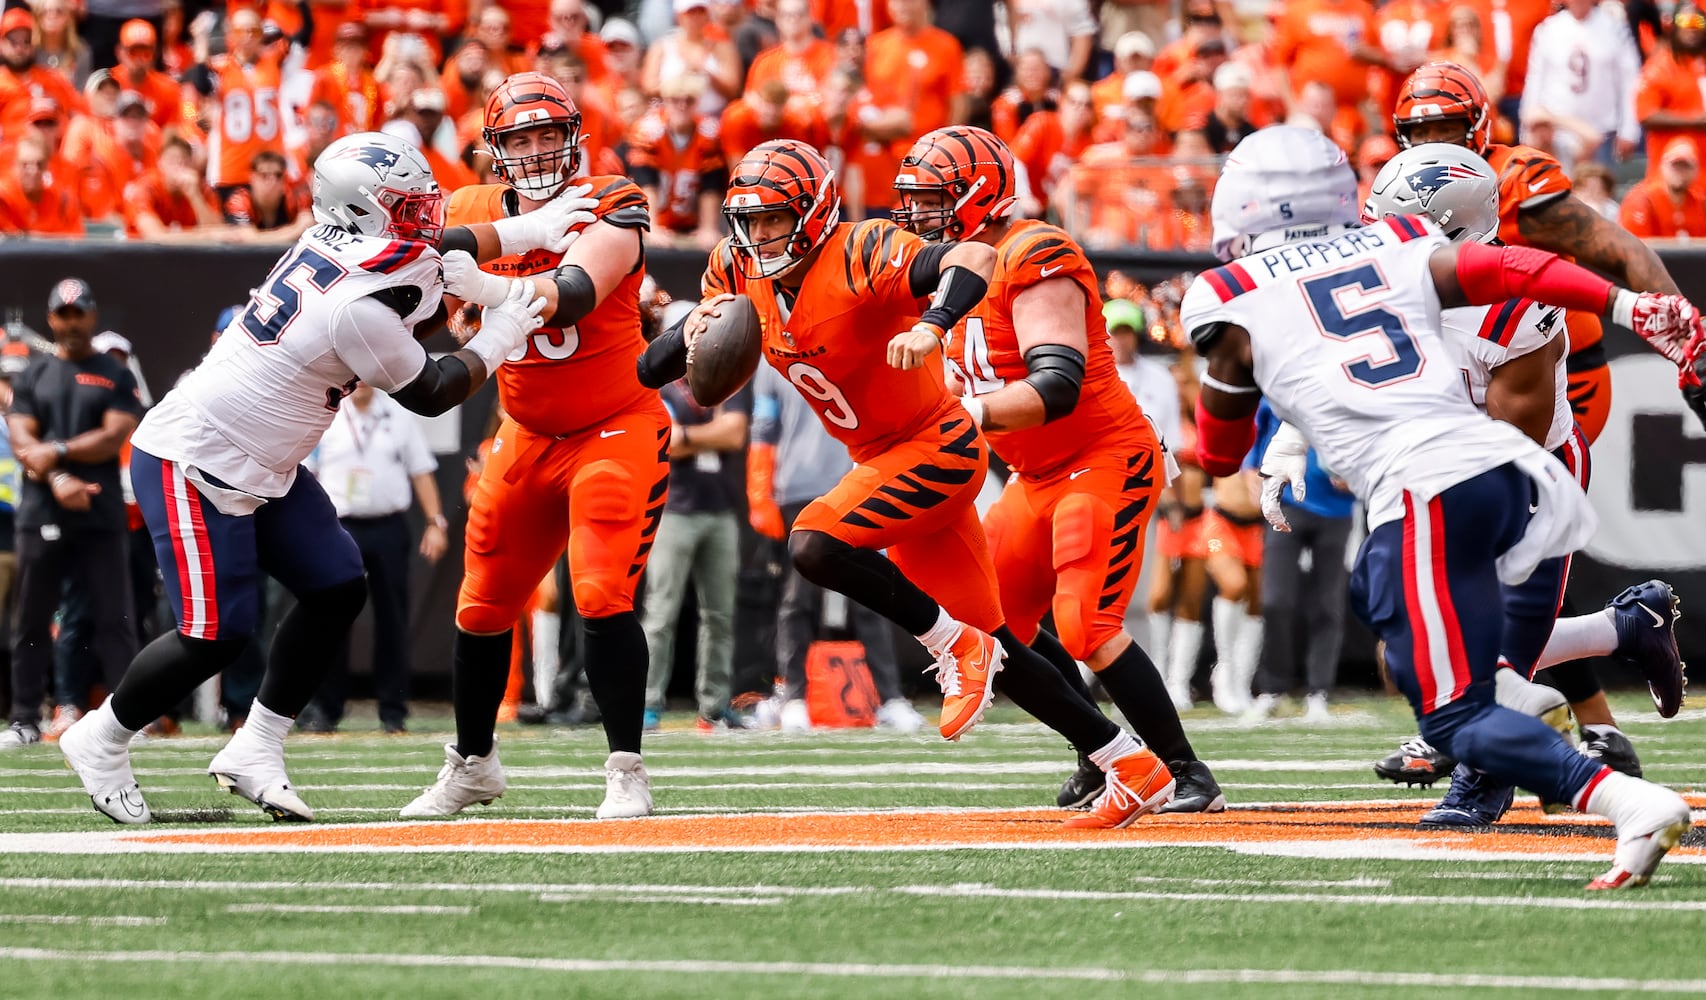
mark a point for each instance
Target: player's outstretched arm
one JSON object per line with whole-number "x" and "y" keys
{"x": 548, "y": 227}
{"x": 1226, "y": 406}
{"x": 1569, "y": 225}
{"x": 1475, "y": 274}
{"x": 592, "y": 269}
{"x": 1048, "y": 318}
{"x": 956, "y": 284}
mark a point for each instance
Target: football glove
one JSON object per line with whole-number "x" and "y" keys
{"x": 1285, "y": 463}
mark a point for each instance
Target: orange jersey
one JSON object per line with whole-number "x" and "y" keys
{"x": 740, "y": 129}
{"x": 864, "y": 16}
{"x": 1669, "y": 84}
{"x": 1513, "y": 24}
{"x": 571, "y": 379}
{"x": 920, "y": 72}
{"x": 984, "y": 349}
{"x": 52, "y": 213}
{"x": 833, "y": 344}
{"x": 19, "y": 90}
{"x": 1650, "y": 212}
{"x": 806, "y": 75}
{"x": 1047, "y": 152}
{"x": 163, "y": 94}
{"x": 1315, "y": 39}
{"x": 110, "y": 167}
{"x": 1527, "y": 177}
{"x": 357, "y": 99}
{"x": 249, "y": 117}
{"x": 148, "y": 194}
{"x": 675, "y": 165}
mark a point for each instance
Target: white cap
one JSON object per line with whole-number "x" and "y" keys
{"x": 683, "y": 6}
{"x": 107, "y": 341}
{"x": 404, "y": 130}
{"x": 1231, "y": 76}
{"x": 1134, "y": 43}
{"x": 620, "y": 30}
{"x": 1142, "y": 85}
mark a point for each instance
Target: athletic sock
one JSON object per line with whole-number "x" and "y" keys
{"x": 1247, "y": 653}
{"x": 479, "y": 670}
{"x": 938, "y": 637}
{"x": 1182, "y": 656}
{"x": 616, "y": 664}
{"x": 107, "y": 727}
{"x": 267, "y": 725}
{"x": 547, "y": 635}
{"x": 1580, "y": 637}
{"x": 1116, "y": 749}
{"x": 1161, "y": 633}
{"x": 1049, "y": 648}
{"x": 865, "y": 576}
{"x": 1228, "y": 618}
{"x": 1038, "y": 688}
{"x": 1141, "y": 696}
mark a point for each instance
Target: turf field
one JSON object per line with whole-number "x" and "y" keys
{"x": 832, "y": 865}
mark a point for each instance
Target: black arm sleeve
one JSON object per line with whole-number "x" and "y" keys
{"x": 576, "y": 296}
{"x": 1057, "y": 373}
{"x": 443, "y": 383}
{"x": 665, "y": 359}
{"x": 958, "y": 293}
{"x": 926, "y": 271}
{"x": 201, "y": 78}
{"x": 460, "y": 238}
{"x": 1204, "y": 337}
{"x": 304, "y": 35}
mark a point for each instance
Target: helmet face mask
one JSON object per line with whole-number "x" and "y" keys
{"x": 533, "y": 106}
{"x": 783, "y": 177}
{"x": 753, "y": 251}
{"x": 415, "y": 215}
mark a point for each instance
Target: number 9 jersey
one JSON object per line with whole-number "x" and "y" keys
{"x": 1346, "y": 344}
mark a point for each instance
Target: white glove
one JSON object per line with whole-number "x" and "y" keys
{"x": 505, "y": 326}
{"x": 464, "y": 279}
{"x": 1285, "y": 463}
{"x": 548, "y": 226}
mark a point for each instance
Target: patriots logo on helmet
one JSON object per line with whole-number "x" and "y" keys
{"x": 1427, "y": 181}
{"x": 377, "y": 157}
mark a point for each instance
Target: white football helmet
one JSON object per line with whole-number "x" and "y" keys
{"x": 1281, "y": 184}
{"x": 378, "y": 185}
{"x": 1445, "y": 182}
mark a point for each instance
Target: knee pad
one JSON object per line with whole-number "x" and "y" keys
{"x": 604, "y": 492}
{"x": 1083, "y": 529}
{"x": 811, "y": 550}
{"x": 481, "y": 619}
{"x": 605, "y": 500}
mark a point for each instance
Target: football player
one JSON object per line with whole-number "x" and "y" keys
{"x": 1443, "y": 102}
{"x": 1037, "y": 375}
{"x": 1459, "y": 505}
{"x": 827, "y": 293}
{"x": 581, "y": 459}
{"x": 216, "y": 466}
{"x": 1513, "y": 359}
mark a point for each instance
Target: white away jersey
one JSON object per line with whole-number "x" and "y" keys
{"x": 1489, "y": 336}
{"x": 1345, "y": 337}
{"x": 337, "y": 308}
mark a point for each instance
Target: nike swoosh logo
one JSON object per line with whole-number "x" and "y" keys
{"x": 895, "y": 260}
{"x": 610, "y": 434}
{"x": 1537, "y": 185}
{"x": 133, "y": 807}
{"x": 1075, "y": 475}
{"x": 1654, "y": 615}
{"x": 1533, "y": 508}
{"x": 1045, "y": 272}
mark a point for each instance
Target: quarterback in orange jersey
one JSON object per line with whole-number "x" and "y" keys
{"x": 581, "y": 458}
{"x": 1443, "y": 102}
{"x": 830, "y": 297}
{"x": 1037, "y": 372}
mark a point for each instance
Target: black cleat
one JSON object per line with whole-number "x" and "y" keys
{"x": 1474, "y": 803}
{"x": 1414, "y": 763}
{"x": 1612, "y": 749}
{"x": 1082, "y": 788}
{"x": 1195, "y": 790}
{"x": 1645, "y": 616}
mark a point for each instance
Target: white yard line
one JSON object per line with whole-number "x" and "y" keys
{"x": 603, "y": 900}
{"x": 401, "y": 910}
{"x": 1596, "y": 902}
{"x": 866, "y": 970}
{"x": 65, "y": 918}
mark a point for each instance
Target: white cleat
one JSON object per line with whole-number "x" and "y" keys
{"x": 105, "y": 773}
{"x": 1315, "y": 711}
{"x": 1517, "y": 693}
{"x": 1262, "y": 708}
{"x": 796, "y": 717}
{"x": 462, "y": 781}
{"x": 627, "y": 787}
{"x": 256, "y": 773}
{"x": 897, "y": 714}
{"x": 1659, "y": 822}
{"x": 1223, "y": 685}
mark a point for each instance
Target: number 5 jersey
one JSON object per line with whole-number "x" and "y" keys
{"x": 336, "y": 308}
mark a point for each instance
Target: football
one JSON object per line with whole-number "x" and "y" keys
{"x": 726, "y": 354}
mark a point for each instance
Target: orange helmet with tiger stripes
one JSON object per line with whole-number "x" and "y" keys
{"x": 1444, "y": 91}
{"x": 972, "y": 169}
{"x": 527, "y": 101}
{"x": 781, "y": 175}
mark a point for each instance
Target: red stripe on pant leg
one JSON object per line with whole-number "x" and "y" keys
{"x": 1580, "y": 802}
{"x": 1448, "y": 612}
{"x": 190, "y": 626}
{"x": 1419, "y": 652}
{"x": 205, "y": 550}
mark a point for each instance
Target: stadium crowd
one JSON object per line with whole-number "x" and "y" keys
{"x": 161, "y": 120}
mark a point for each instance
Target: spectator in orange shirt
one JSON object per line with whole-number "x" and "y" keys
{"x": 100, "y": 94}
{"x": 1051, "y": 141}
{"x": 417, "y": 24}
{"x": 750, "y": 32}
{"x": 1187, "y": 98}
{"x": 1672, "y": 205}
{"x": 1118, "y": 189}
{"x": 529, "y": 20}
{"x": 913, "y": 72}
{"x": 675, "y": 158}
{"x": 1513, "y": 23}
{"x": 569, "y": 24}
{"x": 1032, "y": 91}
{"x": 691, "y": 49}
{"x": 21, "y": 80}
{"x": 137, "y": 49}
{"x": 171, "y": 203}
{"x": 1229, "y": 121}
{"x": 1373, "y": 154}
{"x": 1669, "y": 102}
{"x": 1141, "y": 90}
{"x": 270, "y": 209}
{"x": 977, "y": 97}
{"x": 113, "y": 155}
{"x": 426, "y": 113}
{"x": 47, "y": 123}
{"x": 623, "y": 51}
{"x": 600, "y": 135}
{"x": 1201, "y": 23}
{"x": 867, "y": 17}
{"x": 764, "y": 115}
{"x": 463, "y": 78}
{"x": 800, "y": 60}
{"x": 1468, "y": 44}
{"x": 491, "y": 29}
{"x": 57, "y": 46}
{"x": 347, "y": 84}
{"x": 1134, "y": 52}
{"x": 30, "y": 202}
{"x": 1332, "y": 42}
{"x": 1406, "y": 31}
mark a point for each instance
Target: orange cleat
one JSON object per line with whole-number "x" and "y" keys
{"x": 1137, "y": 784}
{"x": 966, "y": 672}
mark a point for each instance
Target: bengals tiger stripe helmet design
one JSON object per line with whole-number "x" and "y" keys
{"x": 1444, "y": 91}
{"x": 971, "y": 168}
{"x": 526, "y": 101}
{"x": 786, "y": 175}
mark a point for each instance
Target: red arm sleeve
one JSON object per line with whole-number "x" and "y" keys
{"x": 1491, "y": 275}
{"x": 1222, "y": 444}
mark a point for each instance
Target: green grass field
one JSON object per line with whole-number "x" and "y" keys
{"x": 831, "y": 865}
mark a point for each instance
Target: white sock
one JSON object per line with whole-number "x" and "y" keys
{"x": 1247, "y": 652}
{"x": 1160, "y": 634}
{"x": 1579, "y": 638}
{"x": 547, "y": 632}
{"x": 1119, "y": 748}
{"x": 107, "y": 725}
{"x": 1612, "y": 796}
{"x": 1228, "y": 615}
{"x": 941, "y": 634}
{"x": 1182, "y": 656}
{"x": 267, "y": 725}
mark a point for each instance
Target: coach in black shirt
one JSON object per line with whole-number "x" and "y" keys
{"x": 71, "y": 414}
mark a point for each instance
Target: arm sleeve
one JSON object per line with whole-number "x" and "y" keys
{"x": 664, "y": 360}
{"x": 370, "y": 338}
{"x": 926, "y": 268}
